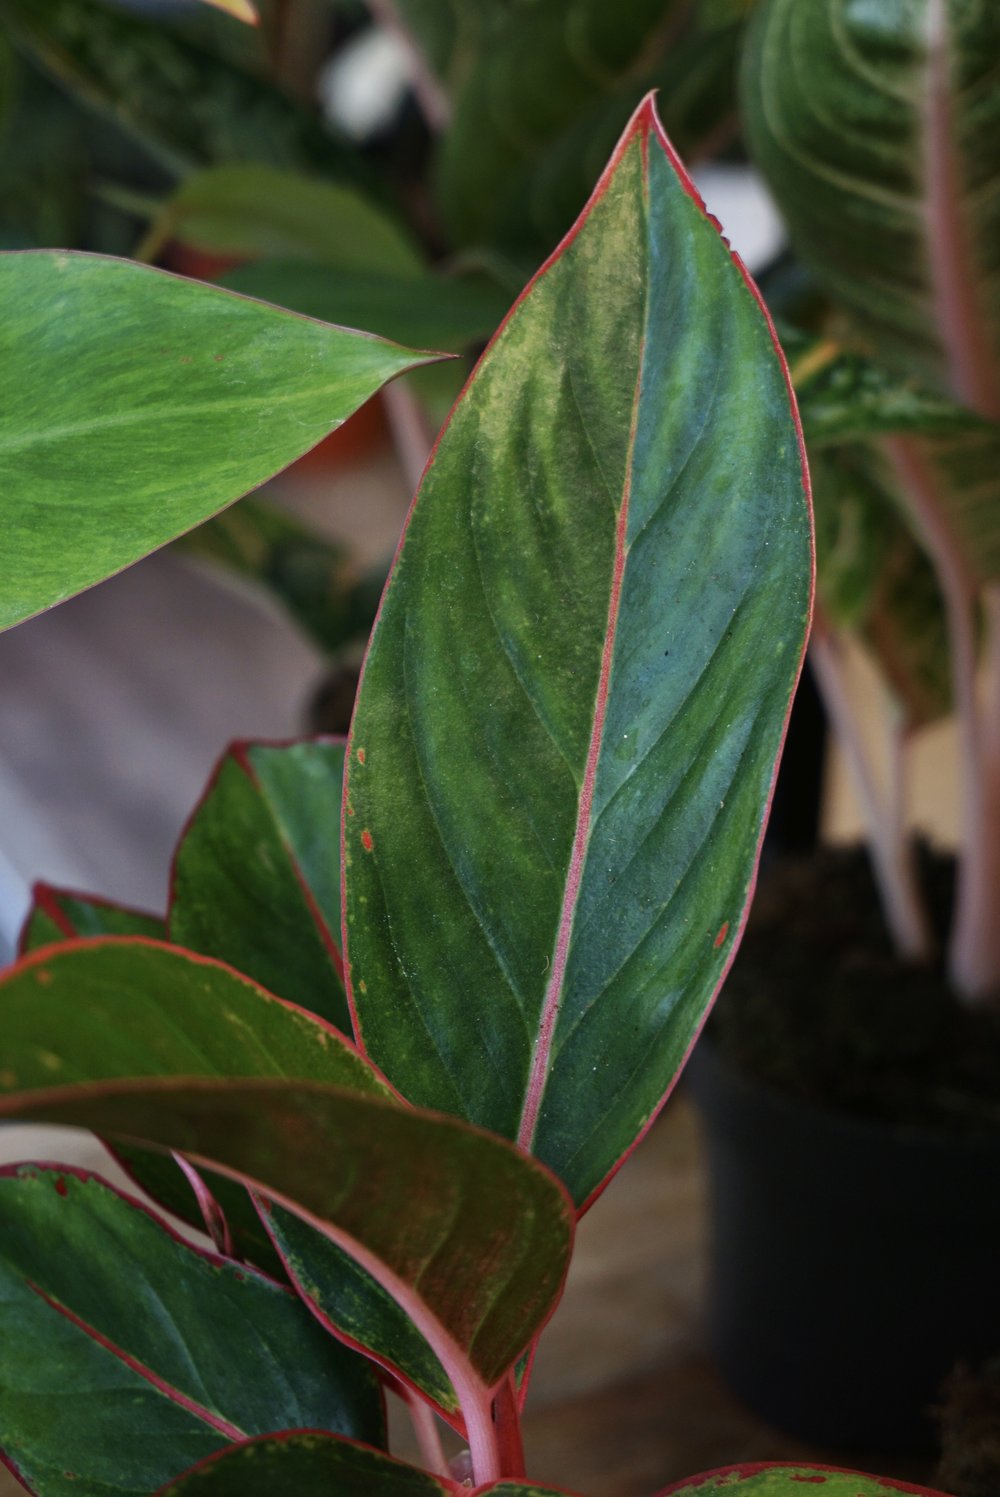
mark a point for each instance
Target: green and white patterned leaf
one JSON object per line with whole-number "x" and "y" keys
{"x": 878, "y": 129}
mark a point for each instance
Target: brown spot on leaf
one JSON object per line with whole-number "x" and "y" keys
{"x": 723, "y": 933}
{"x": 361, "y": 756}
{"x": 366, "y": 840}
{"x": 62, "y": 1188}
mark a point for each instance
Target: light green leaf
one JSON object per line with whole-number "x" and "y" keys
{"x": 576, "y": 690}
{"x": 125, "y": 1350}
{"x": 140, "y": 403}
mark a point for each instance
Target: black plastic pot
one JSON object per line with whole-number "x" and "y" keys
{"x": 852, "y": 1262}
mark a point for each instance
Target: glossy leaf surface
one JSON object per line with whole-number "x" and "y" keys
{"x": 95, "y": 1010}
{"x": 59, "y": 915}
{"x": 187, "y": 107}
{"x": 304, "y": 1466}
{"x": 878, "y": 128}
{"x": 575, "y": 694}
{"x": 467, "y": 1233}
{"x": 789, "y": 1481}
{"x": 140, "y": 403}
{"x": 256, "y": 878}
{"x": 126, "y": 1351}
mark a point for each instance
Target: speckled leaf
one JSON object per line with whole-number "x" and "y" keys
{"x": 256, "y": 877}
{"x": 878, "y": 129}
{"x": 468, "y": 1234}
{"x": 304, "y": 1466}
{"x": 186, "y": 106}
{"x": 789, "y": 1481}
{"x": 127, "y": 1007}
{"x": 59, "y": 915}
{"x": 125, "y": 1350}
{"x": 139, "y": 403}
{"x": 575, "y": 695}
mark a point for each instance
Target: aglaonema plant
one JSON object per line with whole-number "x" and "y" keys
{"x": 387, "y": 1068}
{"x": 877, "y": 128}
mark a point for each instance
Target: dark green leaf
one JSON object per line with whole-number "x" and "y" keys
{"x": 295, "y": 1465}
{"x": 126, "y": 1351}
{"x": 878, "y": 128}
{"x": 139, "y": 403}
{"x": 57, "y": 915}
{"x": 537, "y": 70}
{"x": 256, "y": 879}
{"x": 432, "y": 312}
{"x": 187, "y": 107}
{"x": 468, "y": 1234}
{"x": 552, "y": 825}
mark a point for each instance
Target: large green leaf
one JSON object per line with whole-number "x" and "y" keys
{"x": 878, "y": 128}
{"x": 256, "y": 878}
{"x": 126, "y": 1351}
{"x": 187, "y": 107}
{"x": 139, "y": 403}
{"x": 572, "y": 704}
{"x": 788, "y": 1481}
{"x": 299, "y": 1465}
{"x": 470, "y": 1236}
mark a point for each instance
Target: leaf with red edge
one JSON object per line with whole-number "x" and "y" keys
{"x": 59, "y": 915}
{"x": 125, "y": 1350}
{"x": 788, "y": 1480}
{"x": 467, "y": 1234}
{"x": 304, "y": 1465}
{"x": 256, "y": 877}
{"x": 575, "y": 694}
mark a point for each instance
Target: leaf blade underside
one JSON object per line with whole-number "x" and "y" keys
{"x": 557, "y": 780}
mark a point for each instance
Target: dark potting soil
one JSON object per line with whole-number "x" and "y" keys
{"x": 819, "y": 1006}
